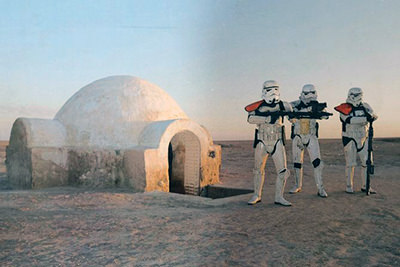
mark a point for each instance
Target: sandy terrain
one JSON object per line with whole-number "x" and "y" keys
{"x": 77, "y": 226}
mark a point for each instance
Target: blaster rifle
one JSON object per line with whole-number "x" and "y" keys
{"x": 316, "y": 106}
{"x": 309, "y": 115}
{"x": 315, "y": 113}
{"x": 294, "y": 114}
{"x": 370, "y": 167}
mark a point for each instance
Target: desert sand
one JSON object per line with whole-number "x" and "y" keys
{"x": 73, "y": 226}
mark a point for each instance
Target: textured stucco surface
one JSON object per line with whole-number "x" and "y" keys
{"x": 112, "y": 112}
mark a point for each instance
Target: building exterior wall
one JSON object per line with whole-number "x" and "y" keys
{"x": 31, "y": 164}
{"x": 156, "y": 171}
{"x": 18, "y": 156}
{"x": 210, "y": 167}
{"x": 19, "y": 166}
{"x": 49, "y": 167}
{"x": 134, "y": 169}
{"x": 35, "y": 155}
{"x": 96, "y": 168}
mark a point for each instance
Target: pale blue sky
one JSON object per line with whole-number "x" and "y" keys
{"x": 210, "y": 56}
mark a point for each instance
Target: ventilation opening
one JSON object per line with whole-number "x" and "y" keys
{"x": 184, "y": 164}
{"x": 215, "y": 192}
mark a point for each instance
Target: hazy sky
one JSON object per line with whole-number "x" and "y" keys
{"x": 210, "y": 56}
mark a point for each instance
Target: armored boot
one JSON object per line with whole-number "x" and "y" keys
{"x": 318, "y": 181}
{"x": 280, "y": 186}
{"x": 350, "y": 175}
{"x": 298, "y": 180}
{"x": 364, "y": 181}
{"x": 258, "y": 185}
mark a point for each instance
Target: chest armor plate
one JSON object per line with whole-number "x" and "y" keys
{"x": 358, "y": 112}
{"x": 305, "y": 126}
{"x": 268, "y": 109}
{"x": 265, "y": 108}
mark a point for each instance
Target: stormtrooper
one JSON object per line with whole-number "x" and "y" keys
{"x": 355, "y": 115}
{"x": 269, "y": 140}
{"x": 305, "y": 135}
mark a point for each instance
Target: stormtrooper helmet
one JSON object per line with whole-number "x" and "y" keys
{"x": 308, "y": 93}
{"x": 354, "y": 96}
{"x": 270, "y": 92}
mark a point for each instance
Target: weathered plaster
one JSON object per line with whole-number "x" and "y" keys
{"x": 112, "y": 112}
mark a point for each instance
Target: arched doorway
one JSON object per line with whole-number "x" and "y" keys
{"x": 184, "y": 163}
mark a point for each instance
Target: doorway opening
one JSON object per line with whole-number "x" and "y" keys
{"x": 184, "y": 163}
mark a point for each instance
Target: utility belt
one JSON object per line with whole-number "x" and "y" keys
{"x": 355, "y": 131}
{"x": 271, "y": 133}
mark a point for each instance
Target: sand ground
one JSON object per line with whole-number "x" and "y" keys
{"x": 81, "y": 227}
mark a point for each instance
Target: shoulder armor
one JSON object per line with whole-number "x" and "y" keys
{"x": 344, "y": 108}
{"x": 253, "y": 106}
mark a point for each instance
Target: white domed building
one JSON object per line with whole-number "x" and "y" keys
{"x": 118, "y": 131}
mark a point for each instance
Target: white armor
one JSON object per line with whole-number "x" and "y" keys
{"x": 355, "y": 136}
{"x": 270, "y": 92}
{"x": 305, "y": 135}
{"x": 269, "y": 142}
{"x": 308, "y": 94}
{"x": 354, "y": 96}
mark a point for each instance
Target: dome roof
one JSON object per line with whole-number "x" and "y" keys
{"x": 114, "y": 110}
{"x": 124, "y": 98}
